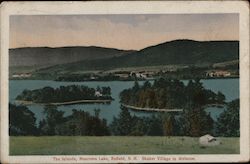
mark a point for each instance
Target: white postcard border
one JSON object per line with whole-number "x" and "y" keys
{"x": 128, "y": 7}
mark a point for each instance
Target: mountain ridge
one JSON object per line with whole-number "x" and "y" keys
{"x": 47, "y": 56}
{"x": 181, "y": 51}
{"x": 187, "y": 52}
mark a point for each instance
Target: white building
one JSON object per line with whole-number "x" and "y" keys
{"x": 24, "y": 75}
{"x": 98, "y": 94}
{"x": 218, "y": 74}
{"x": 138, "y": 75}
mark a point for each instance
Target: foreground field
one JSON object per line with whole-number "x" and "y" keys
{"x": 81, "y": 145}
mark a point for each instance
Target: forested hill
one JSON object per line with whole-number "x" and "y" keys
{"x": 173, "y": 52}
{"x": 45, "y": 56}
{"x": 186, "y": 52}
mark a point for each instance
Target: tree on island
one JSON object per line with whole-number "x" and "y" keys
{"x": 65, "y": 94}
{"x": 106, "y": 91}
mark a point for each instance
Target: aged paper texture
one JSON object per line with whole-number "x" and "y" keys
{"x": 125, "y": 82}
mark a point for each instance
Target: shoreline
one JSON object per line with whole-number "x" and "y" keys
{"x": 165, "y": 110}
{"x": 151, "y": 109}
{"x": 23, "y": 102}
{"x": 217, "y": 78}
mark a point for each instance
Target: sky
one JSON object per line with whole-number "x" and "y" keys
{"x": 119, "y": 31}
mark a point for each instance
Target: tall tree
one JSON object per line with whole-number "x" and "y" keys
{"x": 167, "y": 122}
{"x": 138, "y": 129}
{"x": 124, "y": 123}
{"x": 155, "y": 127}
{"x": 21, "y": 121}
{"x": 53, "y": 117}
{"x": 196, "y": 122}
{"x": 228, "y": 123}
{"x": 106, "y": 91}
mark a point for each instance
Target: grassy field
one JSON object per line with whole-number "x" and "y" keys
{"x": 78, "y": 145}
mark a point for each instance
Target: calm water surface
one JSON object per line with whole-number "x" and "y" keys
{"x": 229, "y": 87}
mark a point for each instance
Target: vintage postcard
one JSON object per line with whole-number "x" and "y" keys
{"x": 125, "y": 82}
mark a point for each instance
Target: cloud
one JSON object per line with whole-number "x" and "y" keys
{"x": 119, "y": 31}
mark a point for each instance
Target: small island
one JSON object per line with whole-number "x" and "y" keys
{"x": 66, "y": 95}
{"x": 170, "y": 95}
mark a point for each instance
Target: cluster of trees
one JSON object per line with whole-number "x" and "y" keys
{"x": 127, "y": 125}
{"x": 78, "y": 123}
{"x": 162, "y": 124}
{"x": 23, "y": 122}
{"x": 228, "y": 123}
{"x": 166, "y": 93}
{"x": 192, "y": 122}
{"x": 189, "y": 123}
{"x": 64, "y": 94}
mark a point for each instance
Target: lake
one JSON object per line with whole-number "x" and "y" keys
{"x": 229, "y": 87}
